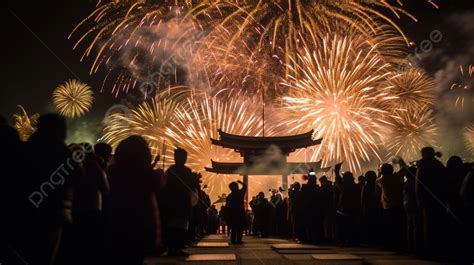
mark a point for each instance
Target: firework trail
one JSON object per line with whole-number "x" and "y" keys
{"x": 25, "y": 124}
{"x": 464, "y": 86}
{"x": 339, "y": 92}
{"x": 73, "y": 98}
{"x": 414, "y": 90}
{"x": 410, "y": 132}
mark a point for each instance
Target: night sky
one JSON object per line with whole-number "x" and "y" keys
{"x": 35, "y": 65}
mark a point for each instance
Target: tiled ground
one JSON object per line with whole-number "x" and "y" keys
{"x": 256, "y": 251}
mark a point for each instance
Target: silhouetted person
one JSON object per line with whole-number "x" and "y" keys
{"x": 431, "y": 195}
{"x": 133, "y": 223}
{"x": 261, "y": 209}
{"x": 213, "y": 220}
{"x": 176, "y": 203}
{"x": 223, "y": 217}
{"x": 414, "y": 228}
{"x": 312, "y": 213}
{"x": 328, "y": 208}
{"x": 50, "y": 174}
{"x": 11, "y": 186}
{"x": 467, "y": 202}
{"x": 103, "y": 152}
{"x": 391, "y": 184}
{"x": 349, "y": 205}
{"x": 296, "y": 211}
{"x": 370, "y": 208}
{"x": 455, "y": 173}
{"x": 90, "y": 193}
{"x": 236, "y": 210}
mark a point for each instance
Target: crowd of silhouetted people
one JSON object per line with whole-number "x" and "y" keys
{"x": 424, "y": 209}
{"x": 81, "y": 204}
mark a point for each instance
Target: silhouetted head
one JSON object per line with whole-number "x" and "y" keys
{"x": 361, "y": 179}
{"x": 454, "y": 163}
{"x": 233, "y": 186}
{"x": 133, "y": 150}
{"x": 296, "y": 186}
{"x": 347, "y": 177}
{"x": 323, "y": 179}
{"x": 103, "y": 150}
{"x": 386, "y": 169}
{"x": 52, "y": 126}
{"x": 180, "y": 156}
{"x": 311, "y": 179}
{"x": 370, "y": 177}
{"x": 429, "y": 153}
{"x": 261, "y": 195}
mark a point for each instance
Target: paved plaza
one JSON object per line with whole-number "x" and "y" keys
{"x": 214, "y": 249}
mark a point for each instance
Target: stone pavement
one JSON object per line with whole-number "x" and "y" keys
{"x": 271, "y": 251}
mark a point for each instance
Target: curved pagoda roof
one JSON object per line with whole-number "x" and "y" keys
{"x": 240, "y": 142}
{"x": 286, "y": 168}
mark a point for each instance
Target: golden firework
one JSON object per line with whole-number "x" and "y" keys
{"x": 339, "y": 92}
{"x": 410, "y": 132}
{"x": 469, "y": 138}
{"x": 200, "y": 119}
{"x": 25, "y": 124}
{"x": 414, "y": 90}
{"x": 130, "y": 36}
{"x": 73, "y": 98}
{"x": 149, "y": 119}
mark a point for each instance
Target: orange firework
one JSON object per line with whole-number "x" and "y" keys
{"x": 339, "y": 92}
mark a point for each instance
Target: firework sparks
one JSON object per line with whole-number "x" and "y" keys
{"x": 73, "y": 98}
{"x": 138, "y": 40}
{"x": 281, "y": 23}
{"x": 339, "y": 92}
{"x": 25, "y": 124}
{"x": 469, "y": 138}
{"x": 149, "y": 119}
{"x": 410, "y": 132}
{"x": 464, "y": 86}
{"x": 131, "y": 35}
{"x": 414, "y": 90}
{"x": 199, "y": 120}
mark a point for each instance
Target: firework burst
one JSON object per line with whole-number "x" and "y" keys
{"x": 199, "y": 120}
{"x": 281, "y": 23}
{"x": 25, "y": 124}
{"x": 149, "y": 119}
{"x": 414, "y": 90}
{"x": 469, "y": 138}
{"x": 339, "y": 92}
{"x": 464, "y": 86}
{"x": 73, "y": 98}
{"x": 131, "y": 36}
{"x": 410, "y": 132}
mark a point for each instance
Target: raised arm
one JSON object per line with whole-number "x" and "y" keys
{"x": 244, "y": 187}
